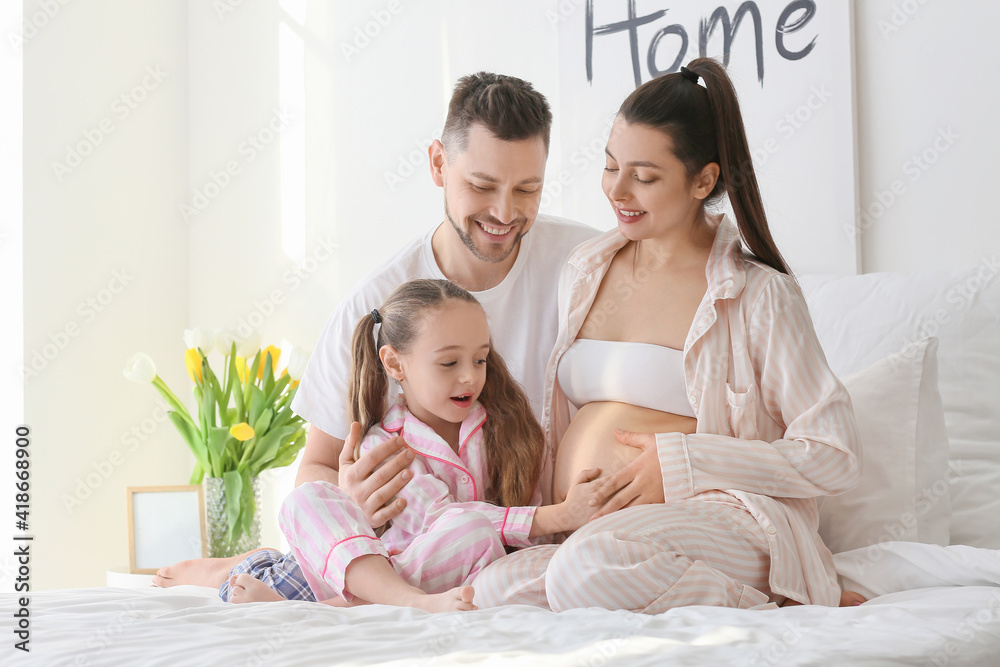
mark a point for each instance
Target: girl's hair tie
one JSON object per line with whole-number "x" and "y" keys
{"x": 689, "y": 75}
{"x": 376, "y": 316}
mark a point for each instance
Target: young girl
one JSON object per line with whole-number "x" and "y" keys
{"x": 479, "y": 453}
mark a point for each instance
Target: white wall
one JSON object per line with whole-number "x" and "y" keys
{"x": 111, "y": 215}
{"x": 925, "y": 69}
{"x": 248, "y": 257}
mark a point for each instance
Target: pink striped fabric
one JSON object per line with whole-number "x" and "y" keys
{"x": 447, "y": 533}
{"x": 774, "y": 439}
{"x": 703, "y": 551}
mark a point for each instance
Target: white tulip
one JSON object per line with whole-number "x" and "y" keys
{"x": 140, "y": 368}
{"x": 247, "y": 347}
{"x": 199, "y": 337}
{"x": 297, "y": 360}
{"x": 224, "y": 341}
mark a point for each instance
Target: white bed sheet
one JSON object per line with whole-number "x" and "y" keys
{"x": 107, "y": 626}
{"x": 956, "y": 624}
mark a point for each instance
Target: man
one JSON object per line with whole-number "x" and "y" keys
{"x": 490, "y": 162}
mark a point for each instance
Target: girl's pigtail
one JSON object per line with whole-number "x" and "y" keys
{"x": 367, "y": 386}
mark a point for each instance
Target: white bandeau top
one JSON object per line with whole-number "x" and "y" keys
{"x": 643, "y": 374}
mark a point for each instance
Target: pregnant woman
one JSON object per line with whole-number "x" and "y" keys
{"x": 687, "y": 370}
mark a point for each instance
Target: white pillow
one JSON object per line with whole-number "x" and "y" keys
{"x": 904, "y": 490}
{"x": 861, "y": 318}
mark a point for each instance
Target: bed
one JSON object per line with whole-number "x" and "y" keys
{"x": 920, "y": 536}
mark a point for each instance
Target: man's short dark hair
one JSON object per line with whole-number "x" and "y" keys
{"x": 508, "y": 107}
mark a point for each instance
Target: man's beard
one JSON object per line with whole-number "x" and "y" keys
{"x": 500, "y": 253}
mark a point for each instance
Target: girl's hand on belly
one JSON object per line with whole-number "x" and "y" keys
{"x": 579, "y": 507}
{"x": 638, "y": 483}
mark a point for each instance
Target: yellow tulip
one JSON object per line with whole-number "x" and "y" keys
{"x": 242, "y": 369}
{"x": 242, "y": 431}
{"x": 275, "y": 355}
{"x": 193, "y": 362}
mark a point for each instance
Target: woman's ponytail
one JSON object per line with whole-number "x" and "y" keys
{"x": 736, "y": 163}
{"x": 705, "y": 125}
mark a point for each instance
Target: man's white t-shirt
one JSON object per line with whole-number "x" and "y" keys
{"x": 522, "y": 312}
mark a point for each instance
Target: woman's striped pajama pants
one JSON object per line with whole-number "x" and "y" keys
{"x": 647, "y": 559}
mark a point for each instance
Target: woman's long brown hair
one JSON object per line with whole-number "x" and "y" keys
{"x": 705, "y": 125}
{"x": 514, "y": 439}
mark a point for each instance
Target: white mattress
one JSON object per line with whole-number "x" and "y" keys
{"x": 955, "y": 624}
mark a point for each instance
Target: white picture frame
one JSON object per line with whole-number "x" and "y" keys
{"x": 166, "y": 524}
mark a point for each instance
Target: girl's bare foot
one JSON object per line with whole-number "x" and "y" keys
{"x": 851, "y": 599}
{"x": 244, "y": 588}
{"x": 457, "y": 599}
{"x": 211, "y": 572}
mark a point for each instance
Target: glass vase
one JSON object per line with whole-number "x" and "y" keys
{"x": 219, "y": 546}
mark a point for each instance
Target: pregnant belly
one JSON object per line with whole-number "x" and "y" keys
{"x": 590, "y": 440}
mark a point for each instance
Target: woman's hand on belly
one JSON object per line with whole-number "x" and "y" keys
{"x": 591, "y": 442}
{"x": 638, "y": 483}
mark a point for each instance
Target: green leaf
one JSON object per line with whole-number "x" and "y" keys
{"x": 284, "y": 417}
{"x": 263, "y": 422}
{"x": 233, "y": 453}
{"x": 256, "y": 404}
{"x": 234, "y": 380}
{"x": 267, "y": 447}
{"x": 192, "y": 437}
{"x": 268, "y": 379}
{"x": 197, "y": 475}
{"x": 288, "y": 452}
{"x": 217, "y": 438}
{"x": 272, "y": 395}
{"x": 222, "y": 398}
{"x": 251, "y": 378}
{"x": 174, "y": 402}
{"x": 234, "y": 492}
{"x": 248, "y": 504}
{"x": 208, "y": 406}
